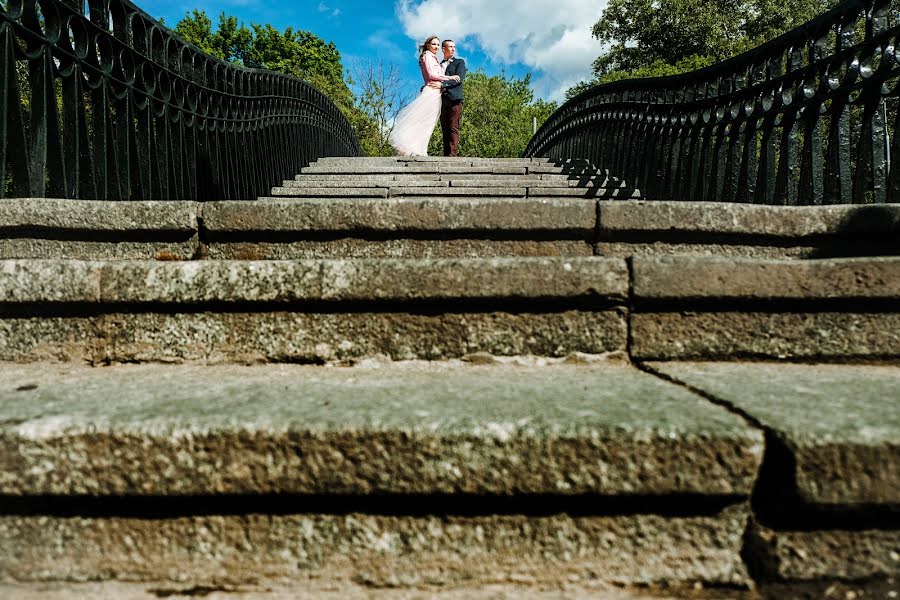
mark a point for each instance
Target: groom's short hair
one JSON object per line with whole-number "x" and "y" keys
{"x": 445, "y": 42}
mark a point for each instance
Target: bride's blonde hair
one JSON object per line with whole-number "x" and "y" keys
{"x": 424, "y": 47}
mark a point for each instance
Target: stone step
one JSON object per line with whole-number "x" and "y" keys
{"x": 399, "y": 228}
{"x": 704, "y": 228}
{"x": 310, "y": 311}
{"x": 458, "y": 472}
{"x": 431, "y": 188}
{"x": 714, "y": 307}
{"x": 449, "y": 180}
{"x": 350, "y": 168}
{"x": 663, "y": 308}
{"x": 439, "y": 227}
{"x": 421, "y": 168}
{"x": 363, "y": 178}
{"x": 444, "y": 190}
{"x": 44, "y": 227}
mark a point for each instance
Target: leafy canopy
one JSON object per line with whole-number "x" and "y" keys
{"x": 652, "y": 38}
{"x": 497, "y": 116}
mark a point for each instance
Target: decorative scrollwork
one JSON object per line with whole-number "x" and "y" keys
{"x": 99, "y": 101}
{"x": 808, "y": 118}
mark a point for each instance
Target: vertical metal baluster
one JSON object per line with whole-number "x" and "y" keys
{"x": 702, "y": 183}
{"x": 144, "y": 146}
{"x": 746, "y": 185}
{"x": 893, "y": 183}
{"x": 812, "y": 164}
{"x": 788, "y": 177}
{"x": 14, "y": 146}
{"x": 870, "y": 177}
{"x": 79, "y": 171}
{"x": 719, "y": 163}
{"x": 47, "y": 149}
{"x": 125, "y": 153}
{"x": 765, "y": 180}
{"x": 837, "y": 187}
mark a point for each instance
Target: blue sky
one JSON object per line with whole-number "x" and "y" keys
{"x": 548, "y": 38}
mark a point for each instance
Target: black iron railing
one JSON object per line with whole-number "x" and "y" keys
{"x": 99, "y": 101}
{"x": 808, "y": 118}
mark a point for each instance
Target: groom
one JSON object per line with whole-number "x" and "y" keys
{"x": 451, "y": 97}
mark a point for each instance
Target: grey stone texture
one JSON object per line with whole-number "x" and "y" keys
{"x": 711, "y": 278}
{"x": 99, "y": 215}
{"x": 378, "y": 551}
{"x": 87, "y": 229}
{"x": 726, "y": 229}
{"x": 841, "y": 423}
{"x": 504, "y": 191}
{"x": 330, "y": 192}
{"x": 619, "y": 193}
{"x": 773, "y": 221}
{"x": 837, "y": 554}
{"x": 402, "y": 215}
{"x": 353, "y": 248}
{"x": 604, "y": 429}
{"x": 518, "y": 587}
{"x": 298, "y": 310}
{"x": 761, "y": 334}
{"x": 308, "y": 337}
{"x": 193, "y": 282}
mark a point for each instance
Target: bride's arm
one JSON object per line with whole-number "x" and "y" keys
{"x": 433, "y": 68}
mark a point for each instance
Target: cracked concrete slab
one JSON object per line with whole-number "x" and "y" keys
{"x": 193, "y": 430}
{"x": 841, "y": 423}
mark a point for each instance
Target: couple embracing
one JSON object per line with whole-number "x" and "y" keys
{"x": 440, "y": 97}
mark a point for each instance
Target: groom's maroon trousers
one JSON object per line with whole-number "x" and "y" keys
{"x": 451, "y": 113}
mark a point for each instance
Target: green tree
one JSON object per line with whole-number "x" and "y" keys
{"x": 293, "y": 52}
{"x": 497, "y": 116}
{"x": 652, "y": 38}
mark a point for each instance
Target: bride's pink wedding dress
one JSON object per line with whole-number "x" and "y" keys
{"x": 413, "y": 126}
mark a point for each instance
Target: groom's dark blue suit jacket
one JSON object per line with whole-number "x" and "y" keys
{"x": 454, "y": 89}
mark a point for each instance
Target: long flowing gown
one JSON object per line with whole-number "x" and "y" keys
{"x": 415, "y": 123}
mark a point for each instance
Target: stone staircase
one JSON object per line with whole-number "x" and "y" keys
{"x": 453, "y": 377}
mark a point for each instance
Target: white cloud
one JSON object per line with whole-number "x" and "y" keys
{"x": 552, "y": 37}
{"x": 333, "y": 12}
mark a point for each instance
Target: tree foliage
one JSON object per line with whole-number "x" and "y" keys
{"x": 293, "y": 52}
{"x": 497, "y": 117}
{"x": 651, "y": 38}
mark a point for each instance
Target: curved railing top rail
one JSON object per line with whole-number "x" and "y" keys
{"x": 145, "y": 114}
{"x": 783, "y": 108}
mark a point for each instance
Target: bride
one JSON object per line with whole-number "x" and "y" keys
{"x": 413, "y": 126}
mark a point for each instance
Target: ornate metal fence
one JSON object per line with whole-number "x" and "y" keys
{"x": 99, "y": 101}
{"x": 808, "y": 118}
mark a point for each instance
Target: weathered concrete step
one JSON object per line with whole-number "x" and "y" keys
{"x": 712, "y": 307}
{"x": 606, "y": 429}
{"x": 828, "y": 506}
{"x": 310, "y": 311}
{"x": 42, "y": 227}
{"x": 402, "y": 190}
{"x": 434, "y": 189}
{"x": 840, "y": 424}
{"x": 351, "y": 170}
{"x": 436, "y": 227}
{"x": 660, "y": 228}
{"x": 399, "y": 227}
{"x": 449, "y": 180}
{"x": 386, "y": 552}
{"x": 456, "y": 472}
{"x": 572, "y": 181}
{"x": 354, "y": 588}
{"x": 582, "y": 191}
